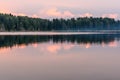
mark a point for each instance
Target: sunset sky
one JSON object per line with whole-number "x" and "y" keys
{"x": 62, "y": 8}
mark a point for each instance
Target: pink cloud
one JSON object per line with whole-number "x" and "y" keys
{"x": 86, "y": 15}
{"x": 13, "y": 13}
{"x": 35, "y": 16}
{"x": 19, "y": 14}
{"x": 110, "y": 15}
{"x": 2, "y": 10}
{"x": 55, "y": 13}
{"x": 47, "y": 13}
{"x": 68, "y": 14}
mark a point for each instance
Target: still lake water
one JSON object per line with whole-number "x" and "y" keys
{"x": 65, "y": 57}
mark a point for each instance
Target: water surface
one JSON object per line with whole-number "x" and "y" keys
{"x": 60, "y": 57}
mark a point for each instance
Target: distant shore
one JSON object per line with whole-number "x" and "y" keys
{"x": 62, "y": 32}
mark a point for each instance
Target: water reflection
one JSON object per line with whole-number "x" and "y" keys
{"x": 9, "y": 41}
{"x": 75, "y": 57}
{"x": 53, "y": 44}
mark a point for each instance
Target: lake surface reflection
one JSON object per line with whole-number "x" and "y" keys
{"x": 68, "y": 57}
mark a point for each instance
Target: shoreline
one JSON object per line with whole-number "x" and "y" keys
{"x": 59, "y": 33}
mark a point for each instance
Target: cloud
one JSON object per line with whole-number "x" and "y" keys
{"x": 68, "y": 14}
{"x": 73, "y": 7}
{"x": 55, "y": 13}
{"x": 86, "y": 15}
{"x": 2, "y": 10}
{"x": 13, "y": 13}
{"x": 19, "y": 14}
{"x": 115, "y": 15}
{"x": 35, "y": 16}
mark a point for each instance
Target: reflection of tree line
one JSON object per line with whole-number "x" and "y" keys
{"x": 9, "y": 41}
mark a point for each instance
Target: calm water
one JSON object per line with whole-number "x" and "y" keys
{"x": 72, "y": 57}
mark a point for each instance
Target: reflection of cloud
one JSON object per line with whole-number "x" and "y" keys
{"x": 110, "y": 15}
{"x": 88, "y": 45}
{"x": 22, "y": 46}
{"x": 85, "y": 45}
{"x": 8, "y": 49}
{"x": 47, "y": 48}
{"x": 103, "y": 44}
{"x": 53, "y": 48}
{"x": 68, "y": 47}
{"x": 112, "y": 44}
{"x": 56, "y": 47}
{"x": 35, "y": 45}
{"x": 4, "y": 50}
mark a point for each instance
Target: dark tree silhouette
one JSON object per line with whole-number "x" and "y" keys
{"x": 9, "y": 22}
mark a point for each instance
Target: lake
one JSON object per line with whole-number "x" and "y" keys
{"x": 60, "y": 57}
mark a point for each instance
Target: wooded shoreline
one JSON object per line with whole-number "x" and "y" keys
{"x": 9, "y": 22}
{"x": 61, "y": 33}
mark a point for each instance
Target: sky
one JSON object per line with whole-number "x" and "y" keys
{"x": 62, "y": 8}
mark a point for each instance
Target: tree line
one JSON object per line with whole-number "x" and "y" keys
{"x": 9, "y": 22}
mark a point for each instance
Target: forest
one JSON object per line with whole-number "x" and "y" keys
{"x": 9, "y": 22}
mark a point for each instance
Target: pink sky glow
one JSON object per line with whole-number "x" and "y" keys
{"x": 61, "y": 8}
